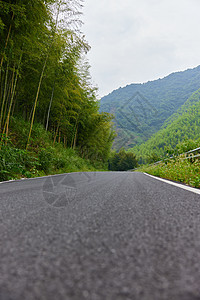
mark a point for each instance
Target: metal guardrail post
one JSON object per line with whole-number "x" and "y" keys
{"x": 189, "y": 152}
{"x": 171, "y": 157}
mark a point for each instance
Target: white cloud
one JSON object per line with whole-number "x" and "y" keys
{"x": 136, "y": 41}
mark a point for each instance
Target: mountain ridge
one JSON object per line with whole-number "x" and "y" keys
{"x": 183, "y": 129}
{"x": 149, "y": 81}
{"x": 165, "y": 95}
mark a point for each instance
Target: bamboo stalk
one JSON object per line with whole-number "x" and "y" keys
{"x": 55, "y": 135}
{"x": 10, "y": 106}
{"x": 59, "y": 136}
{"x": 13, "y": 109}
{"x": 6, "y": 44}
{"x": 65, "y": 141}
{"x": 35, "y": 103}
{"x": 40, "y": 81}
{"x": 12, "y": 95}
{"x": 47, "y": 123}
{"x": 75, "y": 133}
{"x": 75, "y": 137}
{"x": 10, "y": 89}
{"x": 4, "y": 95}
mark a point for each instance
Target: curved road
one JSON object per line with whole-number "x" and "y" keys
{"x": 99, "y": 236}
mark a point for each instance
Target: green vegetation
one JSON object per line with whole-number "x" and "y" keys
{"x": 122, "y": 161}
{"x": 42, "y": 158}
{"x": 45, "y": 85}
{"x": 180, "y": 169}
{"x": 182, "y": 166}
{"x": 151, "y": 105}
{"x": 49, "y": 111}
{"x": 180, "y": 134}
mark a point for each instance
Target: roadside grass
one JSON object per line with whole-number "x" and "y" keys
{"x": 180, "y": 169}
{"x": 42, "y": 158}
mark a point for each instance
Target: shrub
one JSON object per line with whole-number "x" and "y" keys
{"x": 15, "y": 162}
{"x": 46, "y": 157}
{"x": 60, "y": 163}
{"x": 182, "y": 170}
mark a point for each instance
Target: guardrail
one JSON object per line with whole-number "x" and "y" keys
{"x": 188, "y": 157}
{"x": 171, "y": 157}
{"x": 197, "y": 149}
{"x": 191, "y": 152}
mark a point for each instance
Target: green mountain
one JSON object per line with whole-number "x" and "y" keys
{"x": 181, "y": 131}
{"x": 141, "y": 110}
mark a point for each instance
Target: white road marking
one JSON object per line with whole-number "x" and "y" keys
{"x": 185, "y": 187}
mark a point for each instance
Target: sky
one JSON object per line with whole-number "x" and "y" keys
{"x": 135, "y": 41}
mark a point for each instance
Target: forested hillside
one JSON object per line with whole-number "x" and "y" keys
{"x": 180, "y": 135}
{"x": 45, "y": 78}
{"x": 141, "y": 109}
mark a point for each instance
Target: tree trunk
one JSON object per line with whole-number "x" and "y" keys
{"x": 55, "y": 135}
{"x": 4, "y": 96}
{"x": 36, "y": 99}
{"x": 75, "y": 137}
{"x": 75, "y": 133}
{"x": 65, "y": 141}
{"x": 12, "y": 95}
{"x": 41, "y": 77}
{"x": 47, "y": 123}
{"x": 7, "y": 39}
{"x": 10, "y": 107}
{"x": 9, "y": 94}
{"x": 59, "y": 136}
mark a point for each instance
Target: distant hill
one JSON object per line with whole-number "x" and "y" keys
{"x": 141, "y": 109}
{"x": 179, "y": 128}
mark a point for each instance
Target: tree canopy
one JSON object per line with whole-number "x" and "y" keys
{"x": 123, "y": 161}
{"x": 45, "y": 75}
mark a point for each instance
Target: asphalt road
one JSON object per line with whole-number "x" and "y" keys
{"x": 99, "y": 236}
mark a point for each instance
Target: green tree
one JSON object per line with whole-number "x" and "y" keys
{"x": 123, "y": 161}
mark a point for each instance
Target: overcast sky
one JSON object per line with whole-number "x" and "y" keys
{"x": 140, "y": 40}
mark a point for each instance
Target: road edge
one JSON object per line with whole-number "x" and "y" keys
{"x": 185, "y": 187}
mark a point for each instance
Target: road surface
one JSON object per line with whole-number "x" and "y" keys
{"x": 99, "y": 236}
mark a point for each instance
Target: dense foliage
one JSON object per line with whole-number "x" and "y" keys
{"x": 122, "y": 161}
{"x": 43, "y": 158}
{"x": 181, "y": 133}
{"x": 44, "y": 76}
{"x": 179, "y": 169}
{"x": 141, "y": 109}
